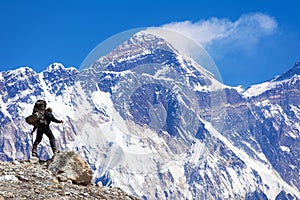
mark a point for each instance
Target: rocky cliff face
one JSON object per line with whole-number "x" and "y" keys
{"x": 276, "y": 105}
{"x": 158, "y": 125}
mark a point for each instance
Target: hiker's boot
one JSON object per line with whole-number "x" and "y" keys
{"x": 34, "y": 154}
{"x": 55, "y": 151}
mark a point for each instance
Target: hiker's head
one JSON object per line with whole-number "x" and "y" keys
{"x": 49, "y": 109}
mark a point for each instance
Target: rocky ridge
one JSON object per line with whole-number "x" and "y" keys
{"x": 29, "y": 179}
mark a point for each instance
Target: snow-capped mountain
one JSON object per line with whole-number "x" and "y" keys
{"x": 157, "y": 124}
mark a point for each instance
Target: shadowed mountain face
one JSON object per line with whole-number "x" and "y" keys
{"x": 157, "y": 124}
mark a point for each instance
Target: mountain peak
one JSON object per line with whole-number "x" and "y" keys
{"x": 21, "y": 70}
{"x": 297, "y": 64}
{"x": 59, "y": 68}
{"x": 295, "y": 70}
{"x": 151, "y": 40}
{"x": 139, "y": 44}
{"x": 20, "y": 73}
{"x": 55, "y": 66}
{"x": 289, "y": 76}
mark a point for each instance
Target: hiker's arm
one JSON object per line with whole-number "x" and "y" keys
{"x": 52, "y": 118}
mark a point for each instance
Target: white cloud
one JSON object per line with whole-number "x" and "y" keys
{"x": 248, "y": 29}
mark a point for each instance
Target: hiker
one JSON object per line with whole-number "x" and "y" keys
{"x": 44, "y": 128}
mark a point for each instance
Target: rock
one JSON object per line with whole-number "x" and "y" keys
{"x": 72, "y": 166}
{"x": 26, "y": 180}
{"x": 8, "y": 178}
{"x": 34, "y": 160}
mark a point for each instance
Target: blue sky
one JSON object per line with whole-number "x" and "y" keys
{"x": 250, "y": 41}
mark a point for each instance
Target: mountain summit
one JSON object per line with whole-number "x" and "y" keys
{"x": 290, "y": 73}
{"x": 287, "y": 79}
{"x": 158, "y": 125}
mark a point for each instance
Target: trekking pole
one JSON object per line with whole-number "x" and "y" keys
{"x": 32, "y": 141}
{"x": 64, "y": 136}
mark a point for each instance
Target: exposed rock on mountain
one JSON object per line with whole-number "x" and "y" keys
{"x": 71, "y": 166}
{"x": 31, "y": 180}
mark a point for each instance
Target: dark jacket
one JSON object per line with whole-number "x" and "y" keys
{"x": 50, "y": 118}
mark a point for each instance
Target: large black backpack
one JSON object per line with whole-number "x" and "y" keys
{"x": 38, "y": 114}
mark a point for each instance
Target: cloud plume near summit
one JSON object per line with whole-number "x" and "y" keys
{"x": 247, "y": 30}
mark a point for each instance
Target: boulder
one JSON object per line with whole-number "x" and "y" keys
{"x": 69, "y": 165}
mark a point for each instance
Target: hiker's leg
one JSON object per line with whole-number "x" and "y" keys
{"x": 52, "y": 140}
{"x": 38, "y": 139}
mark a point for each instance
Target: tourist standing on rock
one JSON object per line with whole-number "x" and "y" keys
{"x": 45, "y": 128}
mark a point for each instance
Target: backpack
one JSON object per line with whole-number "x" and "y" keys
{"x": 38, "y": 114}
